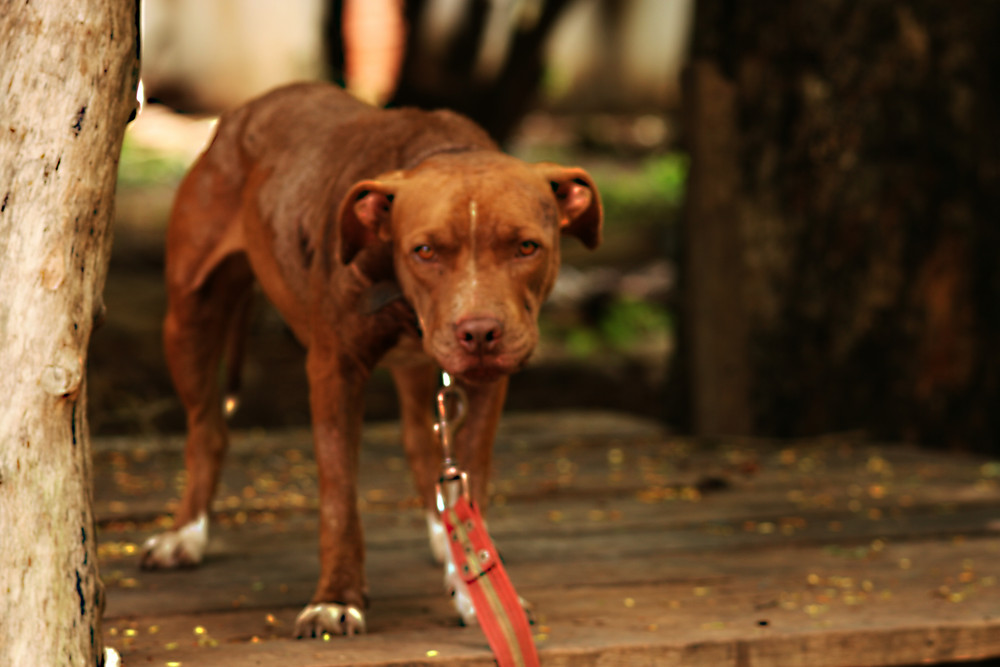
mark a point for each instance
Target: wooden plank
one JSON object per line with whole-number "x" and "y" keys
{"x": 825, "y": 552}
{"x": 774, "y": 604}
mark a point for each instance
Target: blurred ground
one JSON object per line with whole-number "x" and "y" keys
{"x": 607, "y": 331}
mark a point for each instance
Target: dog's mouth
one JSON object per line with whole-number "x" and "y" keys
{"x": 483, "y": 374}
{"x": 480, "y": 361}
{"x": 483, "y": 369}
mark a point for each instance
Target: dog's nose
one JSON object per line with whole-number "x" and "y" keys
{"x": 479, "y": 335}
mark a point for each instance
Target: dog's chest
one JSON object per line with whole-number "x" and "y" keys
{"x": 408, "y": 351}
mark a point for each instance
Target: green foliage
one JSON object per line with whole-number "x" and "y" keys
{"x": 625, "y": 325}
{"x": 660, "y": 178}
{"x": 628, "y": 322}
{"x": 667, "y": 174}
{"x": 582, "y": 342}
{"x": 651, "y": 193}
{"x": 143, "y": 166}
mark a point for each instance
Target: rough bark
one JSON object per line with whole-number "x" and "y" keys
{"x": 67, "y": 88}
{"x": 869, "y": 157}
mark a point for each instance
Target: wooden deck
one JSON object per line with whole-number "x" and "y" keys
{"x": 635, "y": 548}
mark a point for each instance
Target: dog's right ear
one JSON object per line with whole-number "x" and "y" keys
{"x": 364, "y": 217}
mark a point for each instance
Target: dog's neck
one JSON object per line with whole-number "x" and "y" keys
{"x": 381, "y": 294}
{"x": 440, "y": 149}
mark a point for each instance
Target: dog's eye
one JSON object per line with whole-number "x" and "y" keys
{"x": 527, "y": 248}
{"x": 424, "y": 252}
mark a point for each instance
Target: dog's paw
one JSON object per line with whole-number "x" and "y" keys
{"x": 328, "y": 618}
{"x": 458, "y": 589}
{"x": 437, "y": 537}
{"x": 462, "y": 599}
{"x": 184, "y": 547}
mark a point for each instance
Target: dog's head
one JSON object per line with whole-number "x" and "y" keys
{"x": 475, "y": 244}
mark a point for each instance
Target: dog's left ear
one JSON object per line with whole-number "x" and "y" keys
{"x": 579, "y": 203}
{"x": 364, "y": 217}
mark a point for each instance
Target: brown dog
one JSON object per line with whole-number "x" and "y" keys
{"x": 399, "y": 236}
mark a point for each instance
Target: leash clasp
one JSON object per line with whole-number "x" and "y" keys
{"x": 453, "y": 482}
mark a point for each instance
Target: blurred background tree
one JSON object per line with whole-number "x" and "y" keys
{"x": 866, "y": 203}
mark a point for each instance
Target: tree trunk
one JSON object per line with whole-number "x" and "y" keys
{"x": 70, "y": 69}
{"x": 714, "y": 339}
{"x": 869, "y": 192}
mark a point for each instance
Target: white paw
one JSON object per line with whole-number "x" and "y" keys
{"x": 328, "y": 618}
{"x": 459, "y": 590}
{"x": 462, "y": 599}
{"x": 183, "y": 547}
{"x": 454, "y": 584}
{"x": 438, "y": 537}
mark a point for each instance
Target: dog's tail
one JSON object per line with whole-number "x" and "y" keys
{"x": 236, "y": 342}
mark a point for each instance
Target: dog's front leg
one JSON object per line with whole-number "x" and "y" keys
{"x": 474, "y": 440}
{"x": 336, "y": 384}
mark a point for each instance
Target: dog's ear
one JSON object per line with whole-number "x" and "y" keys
{"x": 364, "y": 217}
{"x": 579, "y": 203}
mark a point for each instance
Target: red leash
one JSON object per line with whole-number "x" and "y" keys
{"x": 498, "y": 607}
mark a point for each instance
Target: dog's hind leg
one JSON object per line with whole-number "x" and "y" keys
{"x": 235, "y": 350}
{"x": 196, "y": 330}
